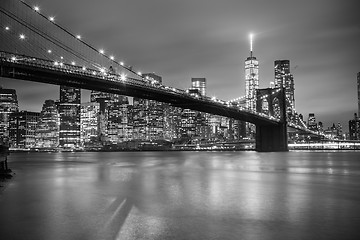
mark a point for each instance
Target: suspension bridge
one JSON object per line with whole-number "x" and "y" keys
{"x": 36, "y": 48}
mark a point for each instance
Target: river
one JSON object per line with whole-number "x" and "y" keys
{"x": 182, "y": 195}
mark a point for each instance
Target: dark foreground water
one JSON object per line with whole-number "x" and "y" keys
{"x": 182, "y": 195}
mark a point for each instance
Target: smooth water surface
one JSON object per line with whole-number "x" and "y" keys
{"x": 182, "y": 195}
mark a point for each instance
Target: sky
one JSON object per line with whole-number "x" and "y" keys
{"x": 179, "y": 40}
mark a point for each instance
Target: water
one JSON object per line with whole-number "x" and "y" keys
{"x": 182, "y": 195}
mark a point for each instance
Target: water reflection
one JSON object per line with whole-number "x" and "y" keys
{"x": 181, "y": 195}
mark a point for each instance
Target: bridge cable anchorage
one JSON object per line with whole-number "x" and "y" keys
{"x": 78, "y": 37}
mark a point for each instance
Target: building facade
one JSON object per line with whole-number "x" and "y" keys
{"x": 69, "y": 110}
{"x": 89, "y": 127}
{"x": 47, "y": 131}
{"x": 8, "y": 104}
{"x": 22, "y": 129}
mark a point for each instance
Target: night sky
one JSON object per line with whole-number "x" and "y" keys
{"x": 210, "y": 38}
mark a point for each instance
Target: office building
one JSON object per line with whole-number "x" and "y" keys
{"x": 47, "y": 131}
{"x": 148, "y": 115}
{"x": 283, "y": 78}
{"x": 251, "y": 86}
{"x": 311, "y": 123}
{"x": 200, "y": 84}
{"x": 358, "y": 92}
{"x": 8, "y": 105}
{"x": 89, "y": 127}
{"x": 22, "y": 129}
{"x": 69, "y": 110}
{"x": 119, "y": 128}
{"x": 354, "y": 128}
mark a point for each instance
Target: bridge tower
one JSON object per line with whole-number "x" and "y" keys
{"x": 271, "y": 138}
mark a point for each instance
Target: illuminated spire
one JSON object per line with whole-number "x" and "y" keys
{"x": 251, "y": 44}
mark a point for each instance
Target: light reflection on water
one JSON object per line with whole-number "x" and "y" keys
{"x": 182, "y": 195}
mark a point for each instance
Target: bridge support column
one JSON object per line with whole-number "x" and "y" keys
{"x": 271, "y": 138}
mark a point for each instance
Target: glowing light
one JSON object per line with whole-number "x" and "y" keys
{"x": 36, "y": 8}
{"x": 61, "y": 58}
{"x": 13, "y": 58}
{"x": 22, "y": 36}
{"x": 123, "y": 77}
{"x": 102, "y": 70}
{"x": 49, "y": 51}
{"x": 251, "y": 42}
{"x": 122, "y": 63}
{"x": 61, "y": 64}
{"x": 52, "y": 19}
{"x": 101, "y": 51}
{"x": 72, "y": 63}
{"x": 56, "y": 63}
{"x": 139, "y": 73}
{"x": 94, "y": 73}
{"x": 78, "y": 36}
{"x": 112, "y": 57}
{"x": 7, "y": 28}
{"x": 84, "y": 68}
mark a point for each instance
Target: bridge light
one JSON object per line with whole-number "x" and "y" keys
{"x": 56, "y": 63}
{"x": 139, "y": 73}
{"x": 122, "y": 63}
{"x": 102, "y": 70}
{"x": 36, "y": 8}
{"x": 78, "y": 37}
{"x": 101, "y": 51}
{"x": 13, "y": 58}
{"x": 7, "y": 28}
{"x": 72, "y": 63}
{"x": 49, "y": 51}
{"x": 123, "y": 77}
{"x": 52, "y": 19}
{"x": 84, "y": 68}
{"x": 22, "y": 36}
{"x": 112, "y": 58}
{"x": 61, "y": 58}
{"x": 61, "y": 64}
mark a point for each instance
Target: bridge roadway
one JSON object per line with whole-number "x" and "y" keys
{"x": 46, "y": 71}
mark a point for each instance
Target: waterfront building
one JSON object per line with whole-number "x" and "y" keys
{"x": 69, "y": 110}
{"x": 89, "y": 127}
{"x": 8, "y": 104}
{"x": 22, "y": 129}
{"x": 148, "y": 115}
{"x": 251, "y": 86}
{"x": 47, "y": 131}
{"x": 354, "y": 128}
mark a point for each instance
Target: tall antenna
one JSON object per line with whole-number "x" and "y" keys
{"x": 251, "y": 44}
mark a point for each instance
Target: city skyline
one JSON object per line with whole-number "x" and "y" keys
{"x": 180, "y": 41}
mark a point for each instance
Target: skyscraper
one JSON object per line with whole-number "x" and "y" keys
{"x": 251, "y": 86}
{"x": 119, "y": 129}
{"x": 358, "y": 90}
{"x": 22, "y": 127}
{"x": 69, "y": 110}
{"x": 283, "y": 78}
{"x": 47, "y": 131}
{"x": 200, "y": 84}
{"x": 89, "y": 127}
{"x": 148, "y": 115}
{"x": 312, "y": 125}
{"x": 251, "y": 79}
{"x": 8, "y": 105}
